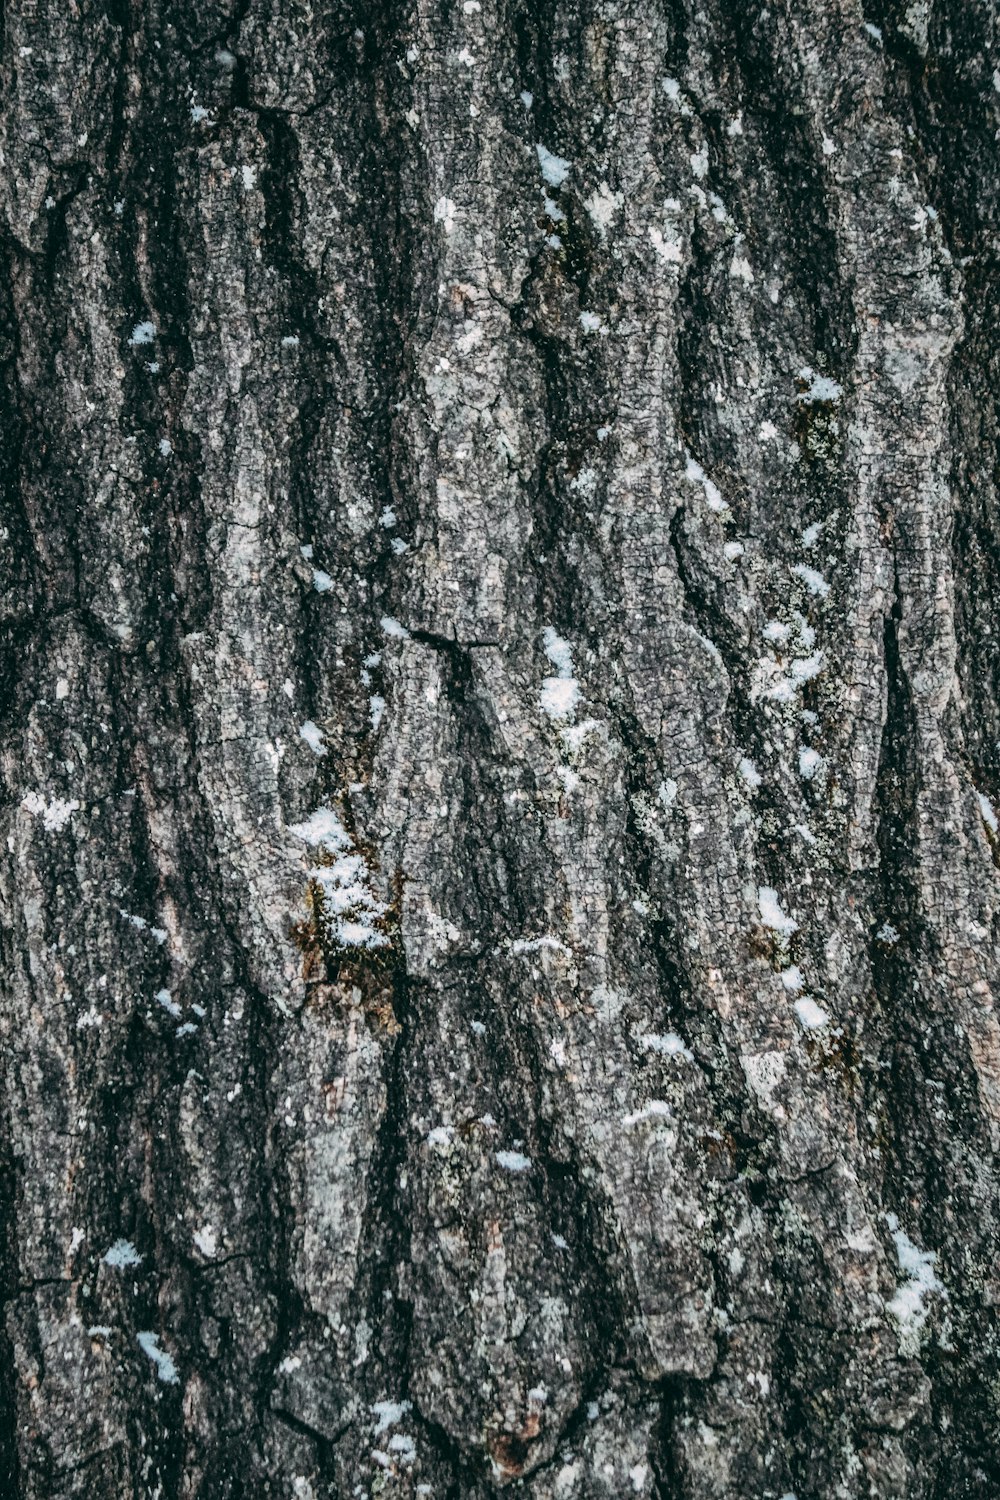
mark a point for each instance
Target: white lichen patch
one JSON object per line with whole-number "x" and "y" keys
{"x": 764, "y": 1071}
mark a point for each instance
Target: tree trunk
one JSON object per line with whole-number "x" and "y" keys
{"x": 500, "y": 749}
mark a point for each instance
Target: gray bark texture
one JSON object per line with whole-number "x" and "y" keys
{"x": 499, "y": 749}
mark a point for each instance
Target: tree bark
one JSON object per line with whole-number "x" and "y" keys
{"x": 500, "y": 750}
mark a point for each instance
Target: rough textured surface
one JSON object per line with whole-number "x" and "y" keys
{"x": 558, "y": 444}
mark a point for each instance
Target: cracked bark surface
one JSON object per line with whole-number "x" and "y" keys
{"x": 581, "y": 421}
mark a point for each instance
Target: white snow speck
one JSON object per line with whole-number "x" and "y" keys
{"x": 205, "y": 1240}
{"x": 323, "y": 827}
{"x": 792, "y": 979}
{"x": 537, "y": 945}
{"x": 828, "y": 146}
{"x": 771, "y": 913}
{"x": 387, "y": 1414}
{"x": 164, "y": 998}
{"x": 559, "y": 694}
{"x": 603, "y": 206}
{"x": 656, "y": 1109}
{"x": 322, "y": 582}
{"x": 376, "y": 708}
{"x": 198, "y": 113}
{"x": 166, "y": 1370}
{"x": 291, "y": 341}
{"x": 166, "y": 447}
{"x": 555, "y": 169}
{"x": 444, "y": 213}
{"x": 313, "y": 737}
{"x": 590, "y": 322}
{"x": 526, "y": 98}
{"x": 668, "y": 250}
{"x": 392, "y": 627}
{"x": 888, "y": 934}
{"x": 249, "y": 175}
{"x": 749, "y": 772}
{"x": 348, "y": 902}
{"x": 159, "y": 934}
{"x": 811, "y": 763}
{"x": 740, "y": 269}
{"x": 767, "y": 432}
{"x": 987, "y": 813}
{"x": 907, "y": 1306}
{"x": 699, "y": 162}
{"x": 122, "y": 1253}
{"x": 558, "y": 651}
{"x": 696, "y": 474}
{"x": 811, "y": 534}
{"x": 814, "y": 582}
{"x": 875, "y": 32}
{"x": 811, "y": 1015}
{"x": 513, "y": 1161}
{"x": 387, "y": 518}
{"x": 142, "y": 333}
{"x": 667, "y": 1045}
{"x": 821, "y": 387}
{"x": 54, "y": 813}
